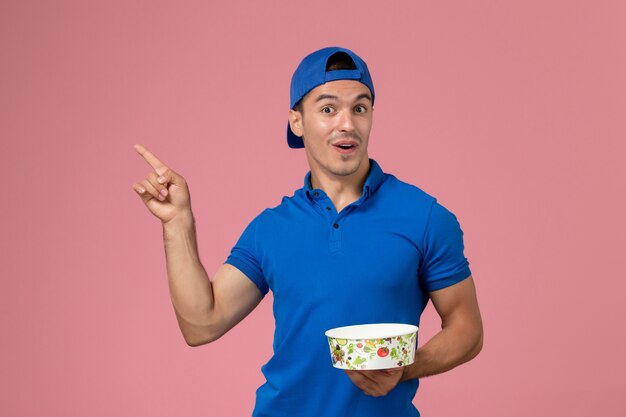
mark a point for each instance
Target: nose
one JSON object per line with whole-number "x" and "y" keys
{"x": 346, "y": 124}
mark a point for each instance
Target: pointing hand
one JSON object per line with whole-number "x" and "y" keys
{"x": 163, "y": 191}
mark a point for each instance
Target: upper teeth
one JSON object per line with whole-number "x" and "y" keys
{"x": 345, "y": 146}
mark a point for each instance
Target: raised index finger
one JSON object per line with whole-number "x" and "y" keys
{"x": 152, "y": 160}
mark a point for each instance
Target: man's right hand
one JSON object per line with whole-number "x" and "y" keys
{"x": 163, "y": 191}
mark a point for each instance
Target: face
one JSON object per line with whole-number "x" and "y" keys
{"x": 335, "y": 112}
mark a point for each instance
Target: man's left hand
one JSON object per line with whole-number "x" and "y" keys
{"x": 377, "y": 382}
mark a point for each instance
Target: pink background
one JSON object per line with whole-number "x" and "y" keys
{"x": 511, "y": 113}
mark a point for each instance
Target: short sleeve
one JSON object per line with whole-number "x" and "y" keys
{"x": 244, "y": 256}
{"x": 443, "y": 262}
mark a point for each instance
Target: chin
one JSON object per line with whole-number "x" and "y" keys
{"x": 347, "y": 168}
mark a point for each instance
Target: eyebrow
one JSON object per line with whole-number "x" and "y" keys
{"x": 331, "y": 97}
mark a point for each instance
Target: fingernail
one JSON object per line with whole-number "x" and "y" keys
{"x": 164, "y": 192}
{"x": 160, "y": 197}
{"x": 142, "y": 190}
{"x": 161, "y": 179}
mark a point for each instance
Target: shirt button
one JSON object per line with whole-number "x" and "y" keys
{"x": 327, "y": 208}
{"x": 316, "y": 194}
{"x": 336, "y": 226}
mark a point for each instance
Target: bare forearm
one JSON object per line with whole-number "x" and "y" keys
{"x": 452, "y": 346}
{"x": 190, "y": 287}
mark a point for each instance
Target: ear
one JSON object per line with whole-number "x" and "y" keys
{"x": 295, "y": 122}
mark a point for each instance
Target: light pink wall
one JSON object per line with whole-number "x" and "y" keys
{"x": 511, "y": 114}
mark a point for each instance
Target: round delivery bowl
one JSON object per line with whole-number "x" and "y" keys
{"x": 372, "y": 346}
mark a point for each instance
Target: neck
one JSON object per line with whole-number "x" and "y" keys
{"x": 341, "y": 189}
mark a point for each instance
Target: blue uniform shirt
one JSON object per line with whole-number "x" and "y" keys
{"x": 373, "y": 262}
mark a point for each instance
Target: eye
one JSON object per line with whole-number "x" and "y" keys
{"x": 327, "y": 109}
{"x": 360, "y": 109}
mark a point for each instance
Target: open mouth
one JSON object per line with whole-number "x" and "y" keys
{"x": 345, "y": 148}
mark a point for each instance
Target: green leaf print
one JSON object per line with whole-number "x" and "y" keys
{"x": 394, "y": 354}
{"x": 359, "y": 360}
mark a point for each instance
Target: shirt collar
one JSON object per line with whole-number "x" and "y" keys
{"x": 372, "y": 182}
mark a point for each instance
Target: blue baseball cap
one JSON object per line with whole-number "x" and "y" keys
{"x": 312, "y": 72}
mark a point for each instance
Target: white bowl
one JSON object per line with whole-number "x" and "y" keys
{"x": 372, "y": 346}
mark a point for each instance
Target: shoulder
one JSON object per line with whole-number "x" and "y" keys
{"x": 404, "y": 189}
{"x": 417, "y": 196}
{"x": 406, "y": 196}
{"x": 276, "y": 215}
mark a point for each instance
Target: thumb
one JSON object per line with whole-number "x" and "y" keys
{"x": 171, "y": 177}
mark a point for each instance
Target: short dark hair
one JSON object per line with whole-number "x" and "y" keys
{"x": 337, "y": 61}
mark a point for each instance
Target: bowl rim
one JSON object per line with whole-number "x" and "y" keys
{"x": 382, "y": 331}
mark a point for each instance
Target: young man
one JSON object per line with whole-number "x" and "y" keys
{"x": 354, "y": 245}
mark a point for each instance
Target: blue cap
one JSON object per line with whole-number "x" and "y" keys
{"x": 312, "y": 72}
